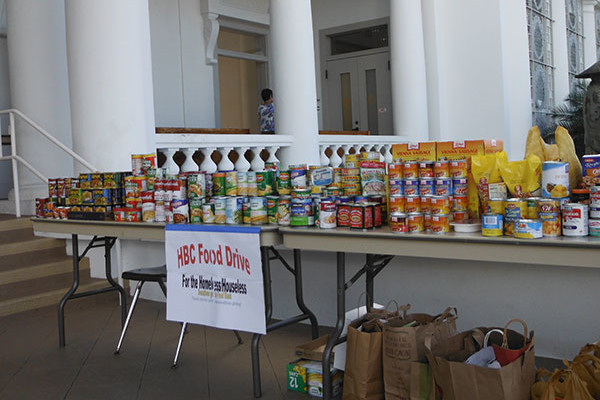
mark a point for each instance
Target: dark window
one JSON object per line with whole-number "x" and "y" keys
{"x": 362, "y": 39}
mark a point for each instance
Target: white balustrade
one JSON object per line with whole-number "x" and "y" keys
{"x": 272, "y": 154}
{"x": 170, "y": 164}
{"x": 380, "y": 144}
{"x": 208, "y": 165}
{"x": 257, "y": 162}
{"x": 323, "y": 155}
{"x": 225, "y": 164}
{"x": 242, "y": 163}
{"x": 189, "y": 164}
{"x": 334, "y": 159}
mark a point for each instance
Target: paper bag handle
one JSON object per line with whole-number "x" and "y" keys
{"x": 404, "y": 308}
{"x": 447, "y": 313}
{"x": 525, "y": 330}
{"x": 487, "y": 336}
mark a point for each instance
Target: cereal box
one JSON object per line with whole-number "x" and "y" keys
{"x": 591, "y": 170}
{"x": 424, "y": 151}
{"x": 459, "y": 149}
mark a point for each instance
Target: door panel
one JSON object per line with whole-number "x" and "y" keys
{"x": 343, "y": 94}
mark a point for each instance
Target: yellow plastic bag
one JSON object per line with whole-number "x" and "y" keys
{"x": 566, "y": 385}
{"x": 485, "y": 170}
{"x": 522, "y": 178}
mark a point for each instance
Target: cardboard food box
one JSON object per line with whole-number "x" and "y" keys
{"x": 493, "y": 146}
{"x": 591, "y": 170}
{"x": 313, "y": 350}
{"x": 306, "y": 376}
{"x": 424, "y": 151}
{"x": 296, "y": 376}
{"x": 458, "y": 150}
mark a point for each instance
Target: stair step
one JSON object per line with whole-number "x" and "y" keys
{"x": 24, "y": 273}
{"x": 31, "y": 258}
{"x": 7, "y": 224}
{"x": 16, "y": 235}
{"x": 35, "y": 301}
{"x": 32, "y": 244}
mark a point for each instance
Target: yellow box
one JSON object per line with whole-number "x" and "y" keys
{"x": 424, "y": 151}
{"x": 493, "y": 146}
{"x": 459, "y": 149}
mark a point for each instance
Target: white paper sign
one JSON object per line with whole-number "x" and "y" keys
{"x": 214, "y": 276}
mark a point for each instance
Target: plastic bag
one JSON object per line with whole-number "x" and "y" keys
{"x": 522, "y": 178}
{"x": 485, "y": 170}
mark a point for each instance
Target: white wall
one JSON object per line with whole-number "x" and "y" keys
{"x": 183, "y": 82}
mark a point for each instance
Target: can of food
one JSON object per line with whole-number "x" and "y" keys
{"x": 148, "y": 210}
{"x": 532, "y": 212}
{"x": 441, "y": 169}
{"x": 398, "y": 223}
{"x": 246, "y": 211}
{"x": 231, "y": 183}
{"x": 272, "y": 165}
{"x": 395, "y": 171}
{"x": 460, "y": 203}
{"x": 458, "y": 168}
{"x": 195, "y": 210}
{"x": 555, "y": 179}
{"x": 443, "y": 186}
{"x": 440, "y": 205}
{"x": 410, "y": 170}
{"x": 574, "y": 219}
{"x": 333, "y": 191}
{"x": 425, "y": 169}
{"x": 459, "y": 216}
{"x": 396, "y": 204}
{"x": 361, "y": 216}
{"x": 460, "y": 186}
{"x": 39, "y": 207}
{"x": 411, "y": 187}
{"x": 378, "y": 215}
{"x": 300, "y": 194}
{"x": 137, "y": 164}
{"x": 594, "y": 227}
{"x": 343, "y": 215}
{"x": 412, "y": 204}
{"x": 492, "y": 224}
{"x": 264, "y": 182}
{"x": 181, "y": 211}
{"x": 258, "y": 210}
{"x": 595, "y": 211}
{"x": 178, "y": 189}
{"x": 515, "y": 209}
{"x": 302, "y": 214}
{"x": 528, "y": 229}
{"x": 298, "y": 176}
{"x": 208, "y": 213}
{"x": 396, "y": 187}
{"x": 134, "y": 216}
{"x": 426, "y": 204}
{"x": 218, "y": 181}
{"x": 272, "y": 209}
{"x": 427, "y": 222}
{"x": 548, "y": 211}
{"x": 195, "y": 182}
{"x": 220, "y": 210}
{"x": 327, "y": 215}
{"x": 495, "y": 206}
{"x": 242, "y": 183}
{"x": 440, "y": 223}
{"x": 159, "y": 212}
{"x": 595, "y": 195}
{"x": 426, "y": 186}
{"x": 415, "y": 222}
{"x": 135, "y": 185}
{"x": 252, "y": 188}
{"x": 233, "y": 210}
{"x": 283, "y": 210}
{"x": 284, "y": 184}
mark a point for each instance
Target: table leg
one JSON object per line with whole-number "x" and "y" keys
{"x": 339, "y": 326}
{"x": 300, "y": 294}
{"x": 108, "y": 269}
{"x": 266, "y": 265}
{"x": 369, "y": 277}
{"x": 67, "y": 296}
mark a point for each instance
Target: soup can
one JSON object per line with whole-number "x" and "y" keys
{"x": 440, "y": 223}
{"x": 231, "y": 183}
{"x": 528, "y": 229}
{"x": 411, "y": 187}
{"x": 426, "y": 204}
{"x": 548, "y": 211}
{"x": 426, "y": 186}
{"x": 415, "y": 222}
{"x": 252, "y": 186}
{"x": 441, "y": 169}
{"x": 327, "y": 215}
{"x": 283, "y": 210}
{"x": 233, "y": 211}
{"x": 412, "y": 204}
{"x": 458, "y": 168}
{"x": 492, "y": 224}
{"x": 460, "y": 186}
{"x": 398, "y": 223}
{"x": 443, "y": 186}
{"x": 440, "y": 205}
{"x": 396, "y": 187}
{"x": 397, "y": 203}
{"x": 574, "y": 219}
{"x": 395, "y": 171}
{"x": 284, "y": 184}
{"x": 218, "y": 182}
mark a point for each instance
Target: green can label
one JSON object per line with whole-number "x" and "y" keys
{"x": 264, "y": 183}
{"x": 231, "y": 183}
{"x": 296, "y": 378}
{"x": 218, "y": 184}
{"x": 283, "y": 182}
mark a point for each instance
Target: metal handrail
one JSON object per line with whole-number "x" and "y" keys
{"x": 16, "y": 159}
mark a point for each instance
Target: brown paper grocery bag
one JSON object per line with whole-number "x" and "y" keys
{"x": 363, "y": 377}
{"x": 403, "y": 347}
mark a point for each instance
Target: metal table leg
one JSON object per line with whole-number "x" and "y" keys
{"x": 339, "y": 326}
{"x": 108, "y": 244}
{"x": 266, "y": 265}
{"x": 300, "y": 294}
{"x": 67, "y": 296}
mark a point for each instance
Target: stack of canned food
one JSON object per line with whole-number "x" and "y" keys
{"x": 427, "y": 195}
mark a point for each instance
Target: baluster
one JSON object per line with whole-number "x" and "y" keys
{"x": 170, "y": 164}
{"x": 225, "y": 164}
{"x": 257, "y": 162}
{"x": 346, "y": 148}
{"x": 242, "y": 163}
{"x": 189, "y": 164}
{"x": 377, "y": 148}
{"x": 335, "y": 160}
{"x": 323, "y": 156}
{"x": 208, "y": 165}
{"x": 272, "y": 155}
{"x": 356, "y": 148}
{"x": 387, "y": 154}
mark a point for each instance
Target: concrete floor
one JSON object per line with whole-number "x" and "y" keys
{"x": 211, "y": 366}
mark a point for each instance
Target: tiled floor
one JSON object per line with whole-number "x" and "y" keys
{"x": 211, "y": 366}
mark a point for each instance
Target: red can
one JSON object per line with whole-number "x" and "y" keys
{"x": 361, "y": 216}
{"x": 396, "y": 204}
{"x": 412, "y": 204}
{"x": 377, "y": 215}
{"x": 343, "y": 214}
{"x": 425, "y": 204}
{"x": 394, "y": 171}
{"x": 52, "y": 188}
{"x": 40, "y": 204}
{"x": 426, "y": 169}
{"x": 398, "y": 223}
{"x": 410, "y": 170}
{"x": 458, "y": 168}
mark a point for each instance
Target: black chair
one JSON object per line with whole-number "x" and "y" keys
{"x": 158, "y": 275}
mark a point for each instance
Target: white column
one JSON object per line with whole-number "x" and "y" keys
{"x": 560, "y": 49}
{"x": 39, "y": 87}
{"x": 110, "y": 74}
{"x": 589, "y": 33}
{"x": 409, "y": 80}
{"x": 294, "y": 81}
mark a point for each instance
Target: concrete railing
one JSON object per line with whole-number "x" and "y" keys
{"x": 334, "y": 147}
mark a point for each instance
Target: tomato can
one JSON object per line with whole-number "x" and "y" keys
{"x": 395, "y": 171}
{"x": 574, "y": 219}
{"x": 343, "y": 214}
{"x": 415, "y": 222}
{"x": 396, "y": 203}
{"x": 396, "y": 187}
{"x": 283, "y": 210}
{"x": 440, "y": 205}
{"x": 327, "y": 215}
{"x": 252, "y": 188}
{"x": 258, "y": 210}
{"x": 426, "y": 186}
{"x": 283, "y": 182}
{"x": 441, "y": 169}
{"x": 411, "y": 187}
{"x": 443, "y": 186}
{"x": 548, "y": 211}
{"x": 528, "y": 229}
{"x": 426, "y": 204}
{"x": 458, "y": 168}
{"x": 264, "y": 182}
{"x": 440, "y": 223}
{"x": 412, "y": 204}
{"x": 410, "y": 170}
{"x": 460, "y": 203}
{"x": 218, "y": 182}
{"x": 231, "y": 183}
{"x": 425, "y": 169}
{"x": 492, "y": 224}
{"x": 460, "y": 186}
{"x": 398, "y": 223}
